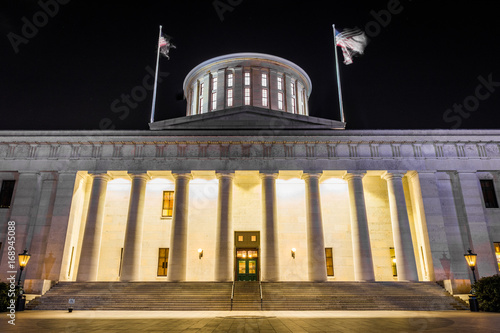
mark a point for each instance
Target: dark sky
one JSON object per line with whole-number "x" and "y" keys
{"x": 429, "y": 64}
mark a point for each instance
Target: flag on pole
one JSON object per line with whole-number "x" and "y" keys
{"x": 165, "y": 45}
{"x": 352, "y": 42}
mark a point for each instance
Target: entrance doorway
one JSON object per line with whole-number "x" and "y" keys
{"x": 246, "y": 264}
{"x": 247, "y": 255}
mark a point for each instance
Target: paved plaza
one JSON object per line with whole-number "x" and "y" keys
{"x": 252, "y": 321}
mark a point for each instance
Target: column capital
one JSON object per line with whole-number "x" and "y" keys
{"x": 314, "y": 175}
{"x": 354, "y": 174}
{"x": 184, "y": 175}
{"x": 224, "y": 174}
{"x": 100, "y": 176}
{"x": 388, "y": 175}
{"x": 268, "y": 175}
{"x": 139, "y": 175}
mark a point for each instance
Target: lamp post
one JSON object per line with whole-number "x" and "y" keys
{"x": 23, "y": 261}
{"x": 471, "y": 261}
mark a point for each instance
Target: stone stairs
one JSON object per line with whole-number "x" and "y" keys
{"x": 246, "y": 296}
{"x": 136, "y": 296}
{"x": 425, "y": 296}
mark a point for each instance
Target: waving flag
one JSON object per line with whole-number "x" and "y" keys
{"x": 165, "y": 45}
{"x": 352, "y": 42}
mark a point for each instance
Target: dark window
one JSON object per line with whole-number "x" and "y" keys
{"x": 329, "y": 261}
{"x": 490, "y": 198}
{"x": 6, "y": 193}
{"x": 168, "y": 204}
{"x": 162, "y": 262}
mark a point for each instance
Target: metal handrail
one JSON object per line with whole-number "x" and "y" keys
{"x": 232, "y": 296}
{"x": 260, "y": 288}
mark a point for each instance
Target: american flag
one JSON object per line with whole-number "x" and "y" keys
{"x": 165, "y": 45}
{"x": 352, "y": 42}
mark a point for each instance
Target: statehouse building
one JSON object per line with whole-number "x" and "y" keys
{"x": 249, "y": 187}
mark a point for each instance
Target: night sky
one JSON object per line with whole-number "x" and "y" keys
{"x": 429, "y": 64}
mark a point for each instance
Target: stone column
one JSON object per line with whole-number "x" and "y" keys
{"x": 315, "y": 238}
{"x": 91, "y": 245}
{"x": 478, "y": 226}
{"x": 178, "y": 236}
{"x": 361, "y": 247}
{"x": 223, "y": 267}
{"x": 401, "y": 232}
{"x": 133, "y": 234}
{"x": 269, "y": 246}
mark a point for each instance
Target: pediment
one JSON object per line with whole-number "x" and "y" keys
{"x": 250, "y": 118}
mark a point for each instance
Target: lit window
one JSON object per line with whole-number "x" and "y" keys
{"x": 329, "y": 261}
{"x": 490, "y": 198}
{"x": 280, "y": 101}
{"x": 229, "y": 80}
{"x": 497, "y": 253}
{"x": 247, "y": 96}
{"x": 168, "y": 204}
{"x": 202, "y": 88}
{"x": 253, "y": 238}
{"x": 247, "y": 78}
{"x": 292, "y": 88}
{"x": 214, "y": 83}
{"x": 264, "y": 79}
{"x": 162, "y": 262}
{"x": 293, "y": 104}
{"x": 264, "y": 97}
{"x": 280, "y": 83}
{"x": 214, "y": 100}
{"x": 230, "y": 97}
{"x": 6, "y": 193}
{"x": 393, "y": 261}
{"x": 252, "y": 254}
{"x": 240, "y": 238}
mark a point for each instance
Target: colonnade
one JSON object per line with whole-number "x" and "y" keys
{"x": 362, "y": 256}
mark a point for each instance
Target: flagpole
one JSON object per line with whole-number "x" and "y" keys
{"x": 341, "y": 105}
{"x": 156, "y": 79}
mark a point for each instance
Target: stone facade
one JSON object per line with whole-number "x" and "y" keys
{"x": 88, "y": 204}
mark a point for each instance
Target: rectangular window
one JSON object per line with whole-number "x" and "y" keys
{"x": 490, "y": 198}
{"x": 247, "y": 96}
{"x": 240, "y": 238}
{"x": 280, "y": 101}
{"x": 253, "y": 238}
{"x": 497, "y": 253}
{"x": 293, "y": 104}
{"x": 214, "y": 83}
{"x": 230, "y": 97}
{"x": 264, "y": 79}
{"x": 329, "y": 261}
{"x": 6, "y": 193}
{"x": 202, "y": 88}
{"x": 292, "y": 88}
{"x": 214, "y": 100}
{"x": 393, "y": 261}
{"x": 229, "y": 80}
{"x": 280, "y": 83}
{"x": 264, "y": 97}
{"x": 162, "y": 262}
{"x": 247, "y": 78}
{"x": 168, "y": 204}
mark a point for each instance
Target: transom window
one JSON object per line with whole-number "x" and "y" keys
{"x": 246, "y": 254}
{"x": 168, "y": 204}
